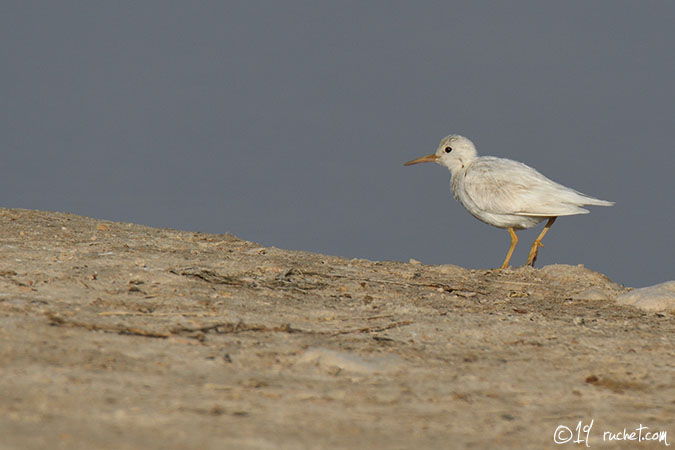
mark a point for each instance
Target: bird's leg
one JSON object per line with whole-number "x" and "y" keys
{"x": 532, "y": 257}
{"x": 514, "y": 241}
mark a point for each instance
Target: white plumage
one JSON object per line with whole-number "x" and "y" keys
{"x": 505, "y": 193}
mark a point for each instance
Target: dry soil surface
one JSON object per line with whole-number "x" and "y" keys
{"x": 120, "y": 336}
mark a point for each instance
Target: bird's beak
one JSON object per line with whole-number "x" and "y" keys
{"x": 428, "y": 158}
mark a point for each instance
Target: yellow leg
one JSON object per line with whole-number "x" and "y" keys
{"x": 532, "y": 257}
{"x": 514, "y": 241}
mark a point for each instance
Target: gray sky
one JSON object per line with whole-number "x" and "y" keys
{"x": 287, "y": 123}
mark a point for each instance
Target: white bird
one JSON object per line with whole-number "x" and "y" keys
{"x": 505, "y": 193}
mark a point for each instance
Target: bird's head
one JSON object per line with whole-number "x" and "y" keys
{"x": 454, "y": 152}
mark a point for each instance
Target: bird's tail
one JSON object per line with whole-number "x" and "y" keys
{"x": 596, "y": 201}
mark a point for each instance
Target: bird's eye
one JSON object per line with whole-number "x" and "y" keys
{"x": 448, "y": 149}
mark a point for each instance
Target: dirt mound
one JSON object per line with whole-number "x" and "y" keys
{"x": 120, "y": 336}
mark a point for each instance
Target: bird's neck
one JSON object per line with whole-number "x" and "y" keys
{"x": 459, "y": 167}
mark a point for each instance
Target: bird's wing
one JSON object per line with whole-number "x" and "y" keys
{"x": 503, "y": 186}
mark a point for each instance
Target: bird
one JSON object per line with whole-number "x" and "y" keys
{"x": 504, "y": 193}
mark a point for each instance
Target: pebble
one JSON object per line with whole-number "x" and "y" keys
{"x": 350, "y": 362}
{"x": 592, "y": 293}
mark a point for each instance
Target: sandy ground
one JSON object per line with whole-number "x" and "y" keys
{"x": 121, "y": 336}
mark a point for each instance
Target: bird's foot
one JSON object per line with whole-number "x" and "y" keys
{"x": 532, "y": 257}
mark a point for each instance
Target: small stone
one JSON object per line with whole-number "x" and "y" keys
{"x": 350, "y": 362}
{"x": 592, "y": 293}
{"x": 579, "y": 321}
{"x": 660, "y": 297}
{"x": 414, "y": 262}
{"x": 450, "y": 269}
